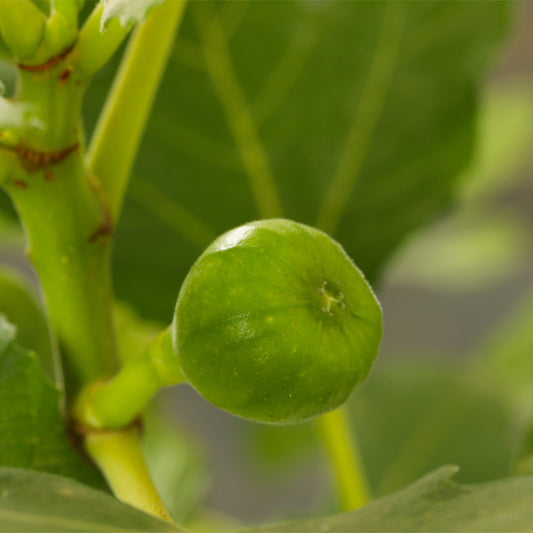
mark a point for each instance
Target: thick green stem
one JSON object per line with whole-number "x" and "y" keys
{"x": 62, "y": 217}
{"x": 119, "y": 457}
{"x": 55, "y": 97}
{"x": 116, "y": 403}
{"x": 123, "y": 120}
{"x": 67, "y": 225}
{"x": 343, "y": 452}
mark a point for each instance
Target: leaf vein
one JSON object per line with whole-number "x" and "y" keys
{"x": 166, "y": 210}
{"x": 365, "y": 120}
{"x": 285, "y": 75}
{"x": 237, "y": 111}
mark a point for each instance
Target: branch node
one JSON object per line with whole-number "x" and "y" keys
{"x": 35, "y": 160}
{"x": 48, "y": 64}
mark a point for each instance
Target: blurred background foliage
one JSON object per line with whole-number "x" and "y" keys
{"x": 399, "y": 127}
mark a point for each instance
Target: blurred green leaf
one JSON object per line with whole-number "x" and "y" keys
{"x": 280, "y": 450}
{"x": 11, "y": 235}
{"x": 8, "y": 75}
{"x": 479, "y": 245}
{"x": 33, "y": 433}
{"x": 469, "y": 251}
{"x": 19, "y": 306}
{"x": 177, "y": 465}
{"x": 414, "y": 415}
{"x": 507, "y": 351}
{"x": 504, "y": 147}
{"x": 5, "y": 52}
{"x": 410, "y": 417}
{"x": 32, "y": 502}
{"x": 505, "y": 359}
{"x": 434, "y": 503}
{"x": 208, "y": 520}
{"x": 264, "y": 111}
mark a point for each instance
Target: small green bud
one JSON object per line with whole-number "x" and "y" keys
{"x": 68, "y": 9}
{"x": 60, "y": 33}
{"x": 22, "y": 25}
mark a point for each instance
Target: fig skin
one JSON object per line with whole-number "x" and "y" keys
{"x": 274, "y": 323}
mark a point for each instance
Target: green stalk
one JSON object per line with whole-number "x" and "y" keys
{"x": 341, "y": 445}
{"x": 116, "y": 403}
{"x": 119, "y": 457}
{"x": 74, "y": 272}
{"x": 67, "y": 226}
{"x": 123, "y": 120}
{"x": 94, "y": 48}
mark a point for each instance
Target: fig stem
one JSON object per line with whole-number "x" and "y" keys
{"x": 343, "y": 451}
{"x": 60, "y": 210}
{"x": 115, "y": 404}
{"x": 129, "y": 102}
{"x": 120, "y": 459}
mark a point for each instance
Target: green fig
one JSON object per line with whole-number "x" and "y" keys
{"x": 275, "y": 323}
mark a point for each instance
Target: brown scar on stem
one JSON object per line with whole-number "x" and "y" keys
{"x": 47, "y": 65}
{"x": 20, "y": 184}
{"x": 34, "y": 160}
{"x": 48, "y": 176}
{"x": 65, "y": 75}
{"x": 106, "y": 228}
{"x": 77, "y": 430}
{"x": 103, "y": 230}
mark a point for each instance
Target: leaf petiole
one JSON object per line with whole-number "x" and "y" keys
{"x": 130, "y": 100}
{"x": 343, "y": 452}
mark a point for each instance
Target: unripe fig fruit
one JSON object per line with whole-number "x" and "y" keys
{"x": 275, "y": 323}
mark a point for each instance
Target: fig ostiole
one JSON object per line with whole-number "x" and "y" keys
{"x": 273, "y": 323}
